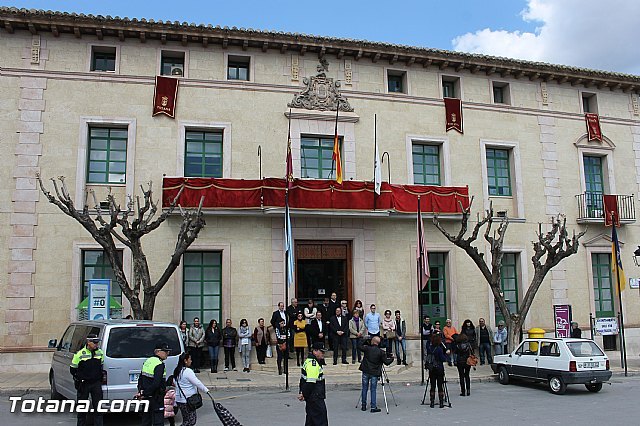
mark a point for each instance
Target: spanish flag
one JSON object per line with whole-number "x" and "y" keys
{"x": 336, "y": 151}
{"x": 616, "y": 261}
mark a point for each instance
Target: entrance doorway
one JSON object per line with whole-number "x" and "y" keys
{"x": 322, "y": 268}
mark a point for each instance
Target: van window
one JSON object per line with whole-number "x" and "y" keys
{"x": 80, "y": 334}
{"x": 65, "y": 342}
{"x": 139, "y": 342}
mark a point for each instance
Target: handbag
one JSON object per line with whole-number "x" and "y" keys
{"x": 472, "y": 360}
{"x": 269, "y": 353}
{"x": 282, "y": 346}
{"x": 194, "y": 401}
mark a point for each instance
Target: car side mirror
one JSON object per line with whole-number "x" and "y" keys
{"x": 510, "y": 356}
{"x": 53, "y": 343}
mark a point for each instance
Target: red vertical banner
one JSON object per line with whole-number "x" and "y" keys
{"x": 611, "y": 214}
{"x": 165, "y": 96}
{"x": 594, "y": 133}
{"x": 453, "y": 111}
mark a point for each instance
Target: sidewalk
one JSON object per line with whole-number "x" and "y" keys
{"x": 266, "y": 378}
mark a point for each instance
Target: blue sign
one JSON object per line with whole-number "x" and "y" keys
{"x": 99, "y": 298}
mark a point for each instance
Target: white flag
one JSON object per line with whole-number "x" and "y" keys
{"x": 377, "y": 173}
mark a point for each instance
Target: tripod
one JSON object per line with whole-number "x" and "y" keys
{"x": 444, "y": 388}
{"x": 384, "y": 378}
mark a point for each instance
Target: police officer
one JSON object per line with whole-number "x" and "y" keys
{"x": 86, "y": 370}
{"x": 152, "y": 385}
{"x": 312, "y": 389}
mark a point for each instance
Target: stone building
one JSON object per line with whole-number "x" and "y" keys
{"x": 77, "y": 101}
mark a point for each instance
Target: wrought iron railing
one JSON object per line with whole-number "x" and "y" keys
{"x": 591, "y": 206}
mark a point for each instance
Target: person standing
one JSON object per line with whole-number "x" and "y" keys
{"x": 331, "y": 310}
{"x": 449, "y": 331}
{"x": 318, "y": 329}
{"x": 213, "y": 337}
{"x": 244, "y": 336}
{"x": 339, "y": 334}
{"x": 261, "y": 338}
{"x": 357, "y": 331}
{"x": 196, "y": 343}
{"x": 372, "y": 321}
{"x": 292, "y": 314}
{"x": 229, "y": 342}
{"x": 345, "y": 310}
{"x": 388, "y": 332}
{"x": 282, "y": 337}
{"x": 278, "y": 315}
{"x": 500, "y": 339}
{"x": 463, "y": 351}
{"x": 576, "y": 333}
{"x": 436, "y": 372}
{"x": 152, "y": 385}
{"x": 426, "y": 329}
{"x": 469, "y": 330}
{"x": 184, "y": 334}
{"x": 359, "y": 307}
{"x": 484, "y": 335}
{"x": 400, "y": 342}
{"x": 312, "y": 387}
{"x": 86, "y": 370}
{"x": 371, "y": 368}
{"x": 300, "y": 338}
{"x": 187, "y": 384}
{"x": 310, "y": 312}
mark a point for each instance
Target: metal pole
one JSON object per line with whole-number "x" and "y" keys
{"x": 591, "y": 324}
{"x": 286, "y": 287}
{"x": 623, "y": 346}
{"x": 420, "y": 286}
{"x": 375, "y": 158}
{"x": 388, "y": 166}
{"x": 260, "y": 158}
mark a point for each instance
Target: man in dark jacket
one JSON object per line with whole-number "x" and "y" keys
{"x": 86, "y": 370}
{"x": 339, "y": 327}
{"x": 371, "y": 368}
{"x": 318, "y": 329}
{"x": 152, "y": 385}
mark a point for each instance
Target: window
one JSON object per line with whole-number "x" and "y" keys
{"x": 602, "y": 290}
{"x": 450, "y": 87}
{"x": 238, "y": 68}
{"x": 202, "y": 286}
{"x": 95, "y": 265}
{"x": 434, "y": 296}
{"x": 103, "y": 58}
{"x": 172, "y": 63}
{"x": 528, "y": 348}
{"x": 396, "y": 82}
{"x": 549, "y": 349}
{"x": 65, "y": 341}
{"x": 501, "y": 93}
{"x": 139, "y": 342}
{"x": 316, "y": 157}
{"x": 584, "y": 349}
{"x": 589, "y": 103}
{"x": 426, "y": 164}
{"x": 80, "y": 334}
{"x": 508, "y": 283}
{"x": 203, "y": 153}
{"x": 594, "y": 185}
{"x": 498, "y": 172}
{"x": 107, "y": 155}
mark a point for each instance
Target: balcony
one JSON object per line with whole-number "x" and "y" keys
{"x": 591, "y": 208}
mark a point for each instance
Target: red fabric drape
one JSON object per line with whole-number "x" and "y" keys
{"x": 611, "y": 208}
{"x": 594, "y": 133}
{"x": 313, "y": 195}
{"x": 453, "y": 111}
{"x": 165, "y": 96}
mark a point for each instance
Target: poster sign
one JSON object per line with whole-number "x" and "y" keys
{"x": 606, "y": 326}
{"x": 634, "y": 282}
{"x": 99, "y": 297}
{"x": 562, "y": 314}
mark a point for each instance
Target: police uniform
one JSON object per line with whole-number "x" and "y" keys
{"x": 152, "y": 387}
{"x": 312, "y": 388}
{"x": 86, "y": 369}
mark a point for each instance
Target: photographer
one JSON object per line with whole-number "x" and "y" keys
{"x": 435, "y": 364}
{"x": 371, "y": 368}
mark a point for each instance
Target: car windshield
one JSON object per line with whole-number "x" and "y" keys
{"x": 139, "y": 342}
{"x": 584, "y": 349}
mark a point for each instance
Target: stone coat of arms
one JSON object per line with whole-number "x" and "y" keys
{"x": 321, "y": 93}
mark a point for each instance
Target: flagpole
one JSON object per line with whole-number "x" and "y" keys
{"x": 286, "y": 284}
{"x": 623, "y": 346}
{"x": 420, "y": 274}
{"x": 335, "y": 134}
{"x": 375, "y": 158}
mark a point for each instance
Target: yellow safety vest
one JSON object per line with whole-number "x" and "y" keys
{"x": 312, "y": 371}
{"x": 150, "y": 365}
{"x": 85, "y": 354}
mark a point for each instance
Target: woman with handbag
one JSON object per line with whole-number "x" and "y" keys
{"x": 282, "y": 336}
{"x": 464, "y": 361}
{"x": 188, "y": 399}
{"x": 388, "y": 331}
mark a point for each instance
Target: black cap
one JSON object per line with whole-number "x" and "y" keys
{"x": 93, "y": 338}
{"x": 318, "y": 347}
{"x": 163, "y": 347}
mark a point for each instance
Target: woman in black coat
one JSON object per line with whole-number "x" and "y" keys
{"x": 213, "y": 336}
{"x": 469, "y": 330}
{"x": 463, "y": 350}
{"x": 436, "y": 372}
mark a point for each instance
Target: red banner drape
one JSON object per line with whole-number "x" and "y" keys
{"x": 594, "y": 133}
{"x": 165, "y": 96}
{"x": 611, "y": 213}
{"x": 453, "y": 111}
{"x": 313, "y": 195}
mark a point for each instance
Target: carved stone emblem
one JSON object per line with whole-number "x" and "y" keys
{"x": 321, "y": 93}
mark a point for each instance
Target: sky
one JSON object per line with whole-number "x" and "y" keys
{"x": 593, "y": 34}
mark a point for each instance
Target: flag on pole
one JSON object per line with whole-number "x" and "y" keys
{"x": 616, "y": 260}
{"x": 289, "y": 173}
{"x": 336, "y": 151}
{"x": 377, "y": 173}
{"x": 288, "y": 244}
{"x": 421, "y": 252}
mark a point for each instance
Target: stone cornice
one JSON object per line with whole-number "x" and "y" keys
{"x": 37, "y": 21}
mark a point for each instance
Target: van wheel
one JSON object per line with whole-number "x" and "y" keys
{"x": 594, "y": 387}
{"x": 503, "y": 375}
{"x": 55, "y": 395}
{"x": 557, "y": 386}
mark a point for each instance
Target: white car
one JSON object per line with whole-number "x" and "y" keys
{"x": 559, "y": 362}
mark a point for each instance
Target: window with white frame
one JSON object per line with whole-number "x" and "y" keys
{"x": 396, "y": 81}
{"x": 172, "y": 63}
{"x": 238, "y": 67}
{"x": 203, "y": 153}
{"x": 498, "y": 171}
{"x": 450, "y": 86}
{"x": 426, "y": 164}
{"x": 501, "y": 93}
{"x": 103, "y": 58}
{"x": 316, "y": 157}
{"x": 589, "y": 103}
{"x": 107, "y": 148}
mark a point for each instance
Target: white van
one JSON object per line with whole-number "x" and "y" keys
{"x": 126, "y": 345}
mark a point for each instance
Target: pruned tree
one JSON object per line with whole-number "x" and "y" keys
{"x": 550, "y": 249}
{"x": 128, "y": 226}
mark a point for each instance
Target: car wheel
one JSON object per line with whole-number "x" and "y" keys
{"x": 503, "y": 375}
{"x": 594, "y": 387}
{"x": 557, "y": 386}
{"x": 55, "y": 395}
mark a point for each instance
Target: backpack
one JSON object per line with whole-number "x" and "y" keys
{"x": 430, "y": 361}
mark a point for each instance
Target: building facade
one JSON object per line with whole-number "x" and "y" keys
{"x": 77, "y": 102}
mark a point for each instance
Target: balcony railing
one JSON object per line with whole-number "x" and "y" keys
{"x": 591, "y": 207}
